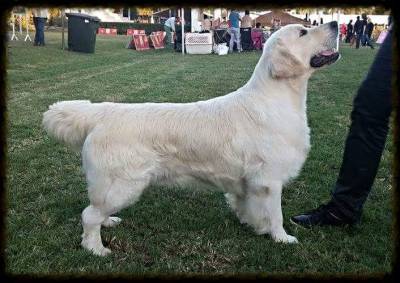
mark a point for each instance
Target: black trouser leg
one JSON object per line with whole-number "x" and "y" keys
{"x": 36, "y": 40}
{"x": 367, "y": 136}
{"x": 358, "y": 39}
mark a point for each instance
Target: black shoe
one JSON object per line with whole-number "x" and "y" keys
{"x": 324, "y": 215}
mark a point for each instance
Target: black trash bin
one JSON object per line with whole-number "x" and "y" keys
{"x": 245, "y": 39}
{"x": 82, "y": 32}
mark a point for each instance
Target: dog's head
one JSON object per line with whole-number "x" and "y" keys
{"x": 295, "y": 50}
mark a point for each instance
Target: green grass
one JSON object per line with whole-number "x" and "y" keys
{"x": 175, "y": 230}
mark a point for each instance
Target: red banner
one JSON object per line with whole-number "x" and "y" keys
{"x": 157, "y": 39}
{"x": 107, "y": 31}
{"x": 141, "y": 42}
{"x": 131, "y": 31}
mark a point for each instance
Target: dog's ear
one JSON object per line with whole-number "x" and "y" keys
{"x": 282, "y": 63}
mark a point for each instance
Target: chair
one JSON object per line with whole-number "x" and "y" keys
{"x": 257, "y": 38}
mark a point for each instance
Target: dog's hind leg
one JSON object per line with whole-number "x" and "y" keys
{"x": 264, "y": 211}
{"x": 92, "y": 217}
{"x": 106, "y": 201}
{"x": 238, "y": 205}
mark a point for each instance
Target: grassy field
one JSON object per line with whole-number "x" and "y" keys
{"x": 175, "y": 230}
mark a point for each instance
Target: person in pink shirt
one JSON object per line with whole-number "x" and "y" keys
{"x": 343, "y": 31}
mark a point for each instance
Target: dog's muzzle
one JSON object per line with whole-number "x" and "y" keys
{"x": 324, "y": 58}
{"x": 330, "y": 54}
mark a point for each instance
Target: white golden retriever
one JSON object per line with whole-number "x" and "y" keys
{"x": 248, "y": 143}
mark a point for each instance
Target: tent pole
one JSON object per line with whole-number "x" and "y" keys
{"x": 20, "y": 24}
{"x": 14, "y": 36}
{"x": 62, "y": 28}
{"x": 27, "y": 18}
{"x": 183, "y": 30}
{"x": 338, "y": 21}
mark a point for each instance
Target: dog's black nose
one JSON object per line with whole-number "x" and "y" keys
{"x": 333, "y": 25}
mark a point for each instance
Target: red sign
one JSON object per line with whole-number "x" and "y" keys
{"x": 157, "y": 39}
{"x": 131, "y": 31}
{"x": 141, "y": 42}
{"x": 107, "y": 31}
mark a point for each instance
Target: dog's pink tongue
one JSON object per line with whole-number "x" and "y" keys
{"x": 327, "y": 53}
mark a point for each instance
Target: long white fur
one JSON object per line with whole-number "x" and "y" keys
{"x": 248, "y": 143}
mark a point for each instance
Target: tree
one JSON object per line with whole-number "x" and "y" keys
{"x": 144, "y": 11}
{"x": 54, "y": 16}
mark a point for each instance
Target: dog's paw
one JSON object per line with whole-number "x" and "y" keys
{"x": 95, "y": 249}
{"x": 287, "y": 239}
{"x": 111, "y": 221}
{"x": 101, "y": 251}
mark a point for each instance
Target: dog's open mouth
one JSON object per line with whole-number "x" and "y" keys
{"x": 325, "y": 57}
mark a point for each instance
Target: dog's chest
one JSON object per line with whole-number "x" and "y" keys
{"x": 281, "y": 151}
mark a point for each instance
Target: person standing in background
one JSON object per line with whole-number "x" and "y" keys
{"x": 343, "y": 31}
{"x": 358, "y": 29}
{"x": 39, "y": 20}
{"x": 246, "y": 20}
{"x": 169, "y": 27}
{"x": 258, "y": 28}
{"x": 349, "y": 31}
{"x": 364, "y": 36}
{"x": 376, "y": 31}
{"x": 234, "y": 19}
{"x": 276, "y": 24}
{"x": 224, "y": 24}
{"x": 368, "y": 33}
{"x": 364, "y": 27}
{"x": 206, "y": 24}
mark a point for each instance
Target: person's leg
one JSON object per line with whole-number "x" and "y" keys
{"x": 366, "y": 139}
{"x": 40, "y": 24}
{"x": 352, "y": 39}
{"x": 238, "y": 44}
{"x": 36, "y": 40}
{"x": 358, "y": 38}
{"x": 168, "y": 36}
{"x": 365, "y": 40}
{"x": 369, "y": 42}
{"x": 362, "y": 40}
{"x": 232, "y": 34}
{"x": 43, "y": 24}
{"x": 363, "y": 148}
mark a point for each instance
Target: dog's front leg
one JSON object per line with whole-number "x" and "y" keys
{"x": 265, "y": 212}
{"x": 273, "y": 202}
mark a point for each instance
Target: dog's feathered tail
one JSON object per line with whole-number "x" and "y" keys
{"x": 70, "y": 121}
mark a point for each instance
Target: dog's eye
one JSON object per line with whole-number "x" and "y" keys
{"x": 303, "y": 32}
